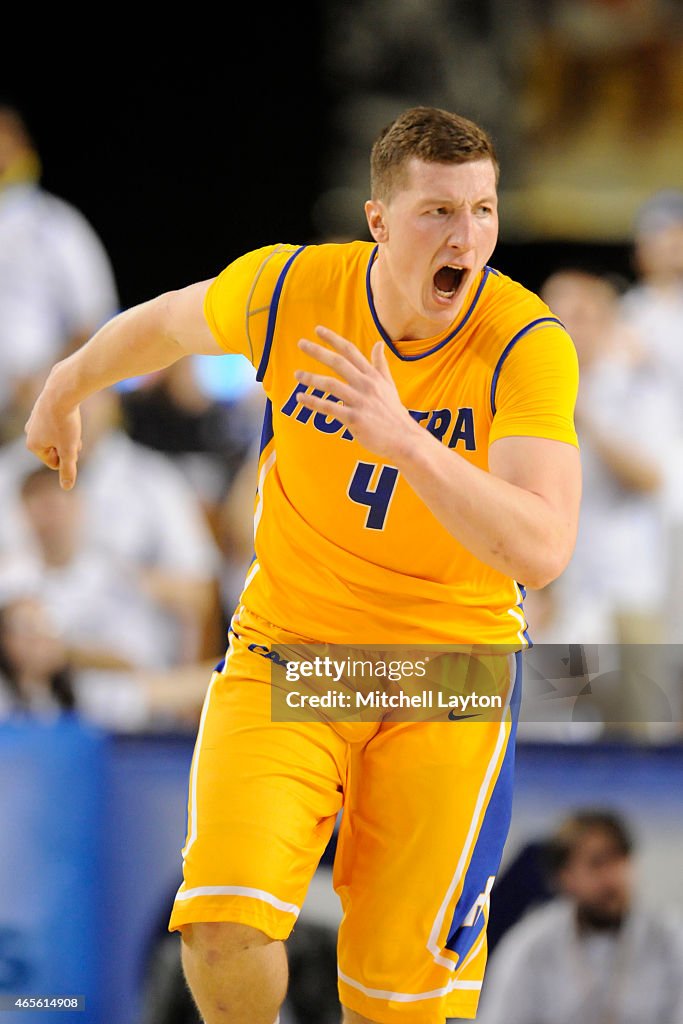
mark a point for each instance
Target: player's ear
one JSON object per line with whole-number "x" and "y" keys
{"x": 375, "y": 212}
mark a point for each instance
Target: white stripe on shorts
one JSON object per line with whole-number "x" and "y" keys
{"x": 479, "y": 812}
{"x": 194, "y": 768}
{"x": 410, "y": 997}
{"x": 239, "y": 890}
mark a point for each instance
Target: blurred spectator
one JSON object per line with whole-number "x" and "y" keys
{"x": 35, "y": 677}
{"x": 99, "y": 604}
{"x": 593, "y": 955}
{"x": 235, "y": 529}
{"x": 208, "y": 438}
{"x": 654, "y": 306}
{"x": 40, "y": 676}
{"x": 614, "y": 587}
{"x": 139, "y": 512}
{"x": 56, "y": 283}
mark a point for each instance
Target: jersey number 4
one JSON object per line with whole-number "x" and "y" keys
{"x": 377, "y": 498}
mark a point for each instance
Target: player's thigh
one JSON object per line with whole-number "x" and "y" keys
{"x": 263, "y": 801}
{"x": 427, "y": 812}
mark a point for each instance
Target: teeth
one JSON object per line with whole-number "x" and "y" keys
{"x": 459, "y": 273}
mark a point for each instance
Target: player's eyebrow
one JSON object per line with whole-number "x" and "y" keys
{"x": 443, "y": 201}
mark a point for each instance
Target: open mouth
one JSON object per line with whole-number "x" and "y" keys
{"x": 447, "y": 280}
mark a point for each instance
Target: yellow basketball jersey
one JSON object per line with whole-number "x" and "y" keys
{"x": 345, "y": 550}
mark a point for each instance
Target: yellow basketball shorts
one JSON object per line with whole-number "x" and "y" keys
{"x": 426, "y": 810}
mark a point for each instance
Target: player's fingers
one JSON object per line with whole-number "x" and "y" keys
{"x": 378, "y": 358}
{"x": 48, "y": 456}
{"x": 335, "y": 410}
{"x": 51, "y": 458}
{"x": 332, "y": 385}
{"x": 67, "y": 470}
{"x": 343, "y": 346}
{"x": 324, "y": 355}
{"x": 337, "y": 362}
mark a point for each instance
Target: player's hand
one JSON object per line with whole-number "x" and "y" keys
{"x": 54, "y": 435}
{"x": 369, "y": 404}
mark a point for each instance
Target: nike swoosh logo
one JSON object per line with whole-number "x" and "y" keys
{"x": 458, "y": 718}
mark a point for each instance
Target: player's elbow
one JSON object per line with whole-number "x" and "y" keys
{"x": 540, "y": 576}
{"x": 552, "y": 562}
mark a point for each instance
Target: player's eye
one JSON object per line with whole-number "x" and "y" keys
{"x": 441, "y": 211}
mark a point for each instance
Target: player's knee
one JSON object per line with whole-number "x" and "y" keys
{"x": 216, "y": 941}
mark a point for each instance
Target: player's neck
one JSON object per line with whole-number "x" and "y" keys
{"x": 398, "y": 319}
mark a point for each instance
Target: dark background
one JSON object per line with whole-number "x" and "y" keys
{"x": 186, "y": 160}
{"x": 183, "y": 165}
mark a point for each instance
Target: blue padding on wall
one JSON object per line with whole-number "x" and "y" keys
{"x": 50, "y": 855}
{"x": 91, "y": 828}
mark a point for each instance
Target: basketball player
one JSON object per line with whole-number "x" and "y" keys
{"x": 418, "y": 458}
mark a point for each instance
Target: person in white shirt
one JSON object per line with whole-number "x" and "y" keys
{"x": 594, "y": 955}
{"x": 41, "y": 680}
{"x": 614, "y": 588}
{"x": 138, "y": 510}
{"x": 654, "y": 305}
{"x": 56, "y": 280}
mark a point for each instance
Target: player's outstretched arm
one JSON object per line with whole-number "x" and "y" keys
{"x": 520, "y": 517}
{"x": 145, "y": 338}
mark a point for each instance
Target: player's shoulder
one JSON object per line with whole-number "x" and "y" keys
{"x": 249, "y": 280}
{"x": 261, "y": 271}
{"x": 332, "y": 256}
{"x": 337, "y": 259}
{"x": 505, "y": 295}
{"x": 315, "y": 270}
{"x": 505, "y": 312}
{"x": 255, "y": 261}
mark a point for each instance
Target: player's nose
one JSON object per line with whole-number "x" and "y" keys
{"x": 461, "y": 234}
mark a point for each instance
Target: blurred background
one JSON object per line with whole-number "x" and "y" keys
{"x": 129, "y": 168}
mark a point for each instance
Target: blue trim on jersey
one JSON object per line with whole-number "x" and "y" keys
{"x": 525, "y": 634}
{"x": 508, "y": 349}
{"x": 385, "y": 336}
{"x": 267, "y": 431}
{"x": 488, "y": 848}
{"x": 272, "y": 314}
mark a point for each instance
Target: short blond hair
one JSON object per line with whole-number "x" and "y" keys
{"x": 429, "y": 134}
